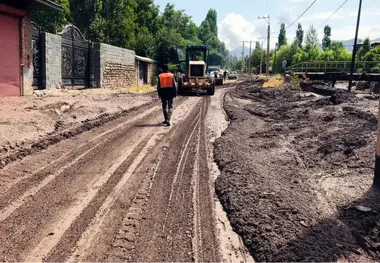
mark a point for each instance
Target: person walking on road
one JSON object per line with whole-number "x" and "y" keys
{"x": 284, "y": 63}
{"x": 225, "y": 75}
{"x": 167, "y": 91}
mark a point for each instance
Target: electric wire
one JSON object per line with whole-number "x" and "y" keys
{"x": 307, "y": 9}
{"x": 333, "y": 14}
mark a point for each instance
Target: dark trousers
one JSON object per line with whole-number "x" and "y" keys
{"x": 167, "y": 106}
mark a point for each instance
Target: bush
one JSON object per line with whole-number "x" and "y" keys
{"x": 173, "y": 68}
{"x": 295, "y": 83}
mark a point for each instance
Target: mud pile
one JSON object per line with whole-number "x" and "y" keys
{"x": 297, "y": 174}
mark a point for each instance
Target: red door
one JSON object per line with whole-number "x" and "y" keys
{"x": 10, "y": 56}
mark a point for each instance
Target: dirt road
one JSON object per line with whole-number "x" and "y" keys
{"x": 128, "y": 190}
{"x": 296, "y": 174}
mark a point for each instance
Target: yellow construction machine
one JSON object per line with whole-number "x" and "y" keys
{"x": 194, "y": 77}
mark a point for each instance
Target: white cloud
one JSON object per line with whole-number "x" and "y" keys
{"x": 348, "y": 32}
{"x": 234, "y": 28}
{"x": 287, "y": 16}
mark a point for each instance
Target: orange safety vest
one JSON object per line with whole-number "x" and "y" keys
{"x": 166, "y": 80}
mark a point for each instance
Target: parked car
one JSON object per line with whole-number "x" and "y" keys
{"x": 232, "y": 75}
{"x": 214, "y": 74}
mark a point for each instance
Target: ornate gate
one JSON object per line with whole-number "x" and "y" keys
{"x": 37, "y": 53}
{"x": 75, "y": 57}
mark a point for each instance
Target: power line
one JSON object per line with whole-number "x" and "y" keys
{"x": 307, "y": 9}
{"x": 333, "y": 14}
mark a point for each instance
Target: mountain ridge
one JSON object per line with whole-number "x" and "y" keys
{"x": 348, "y": 44}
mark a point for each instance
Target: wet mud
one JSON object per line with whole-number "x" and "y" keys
{"x": 296, "y": 174}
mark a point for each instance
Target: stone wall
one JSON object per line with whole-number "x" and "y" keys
{"x": 117, "y": 76}
{"x": 152, "y": 74}
{"x": 113, "y": 67}
{"x": 51, "y": 46}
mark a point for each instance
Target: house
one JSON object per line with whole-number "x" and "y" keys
{"x": 16, "y": 57}
{"x": 146, "y": 71}
{"x": 373, "y": 44}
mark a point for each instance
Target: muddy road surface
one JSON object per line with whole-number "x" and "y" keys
{"x": 129, "y": 190}
{"x": 296, "y": 174}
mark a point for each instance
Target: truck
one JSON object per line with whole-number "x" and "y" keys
{"x": 193, "y": 66}
{"x": 218, "y": 74}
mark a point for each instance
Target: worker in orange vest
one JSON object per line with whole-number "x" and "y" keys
{"x": 167, "y": 91}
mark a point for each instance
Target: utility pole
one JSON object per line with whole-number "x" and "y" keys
{"x": 267, "y": 19}
{"x": 250, "y": 53}
{"x": 355, "y": 47}
{"x": 261, "y": 56}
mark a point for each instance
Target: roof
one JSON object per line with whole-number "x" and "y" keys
{"x": 144, "y": 59}
{"x": 33, "y": 4}
{"x": 197, "y": 62}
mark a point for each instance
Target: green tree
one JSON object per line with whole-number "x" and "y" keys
{"x": 212, "y": 19}
{"x": 208, "y": 35}
{"x": 326, "y": 41}
{"x": 311, "y": 36}
{"x": 256, "y": 56}
{"x": 372, "y": 56}
{"x": 258, "y": 45}
{"x": 145, "y": 43}
{"x": 309, "y": 53}
{"x": 176, "y": 30}
{"x": 336, "y": 52}
{"x": 365, "y": 48}
{"x": 53, "y": 21}
{"x": 148, "y": 24}
{"x": 205, "y": 32}
{"x": 283, "y": 53}
{"x": 299, "y": 34}
{"x": 120, "y": 26}
{"x": 282, "y": 36}
{"x": 148, "y": 15}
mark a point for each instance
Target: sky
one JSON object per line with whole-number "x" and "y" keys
{"x": 238, "y": 19}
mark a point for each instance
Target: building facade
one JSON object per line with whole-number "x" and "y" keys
{"x": 146, "y": 71}
{"x": 16, "y": 63}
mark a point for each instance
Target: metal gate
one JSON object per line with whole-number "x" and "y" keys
{"x": 37, "y": 56}
{"x": 75, "y": 57}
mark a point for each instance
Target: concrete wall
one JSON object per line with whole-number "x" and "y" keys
{"x": 113, "y": 67}
{"x": 52, "y": 55}
{"x": 110, "y": 67}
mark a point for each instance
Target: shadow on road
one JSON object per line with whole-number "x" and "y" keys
{"x": 149, "y": 125}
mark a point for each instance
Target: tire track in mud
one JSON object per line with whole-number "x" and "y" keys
{"x": 133, "y": 192}
{"x": 79, "y": 216}
{"x": 28, "y": 204}
{"x": 13, "y": 190}
{"x": 169, "y": 223}
{"x": 53, "y": 138}
{"x": 41, "y": 212}
{"x": 127, "y": 244}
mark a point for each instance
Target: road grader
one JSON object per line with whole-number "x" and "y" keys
{"x": 193, "y": 66}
